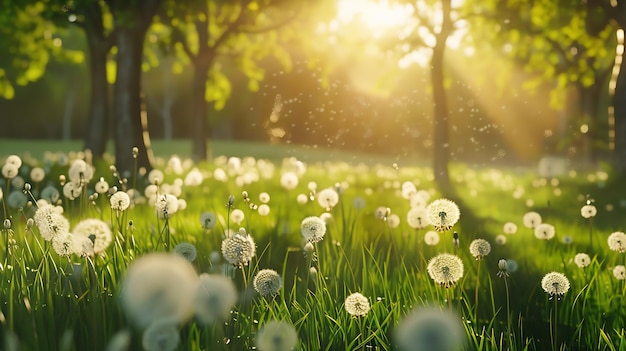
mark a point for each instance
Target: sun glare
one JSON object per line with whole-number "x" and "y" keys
{"x": 376, "y": 15}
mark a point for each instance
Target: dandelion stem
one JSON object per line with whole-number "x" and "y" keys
{"x": 476, "y": 294}
{"x": 508, "y": 312}
{"x": 590, "y": 235}
{"x": 555, "y": 326}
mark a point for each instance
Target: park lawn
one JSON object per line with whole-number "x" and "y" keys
{"x": 54, "y": 302}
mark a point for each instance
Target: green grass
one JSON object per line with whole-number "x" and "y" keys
{"x": 51, "y": 302}
{"x": 36, "y": 149}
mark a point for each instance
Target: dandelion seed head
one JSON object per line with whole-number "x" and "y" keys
{"x": 207, "y": 220}
{"x": 263, "y": 210}
{"x": 302, "y": 199}
{"x": 101, "y": 186}
{"x": 9, "y": 170}
{"x": 120, "y": 201}
{"x": 430, "y": 328}
{"x": 416, "y": 217}
{"x": 63, "y": 244}
{"x": 267, "y": 282}
{"x": 501, "y": 239}
{"x": 186, "y": 250}
{"x": 479, "y": 248}
{"x": 531, "y": 219}
{"x": 156, "y": 177}
{"x": 328, "y": 198}
{"x": 544, "y": 231}
{"x": 313, "y": 229}
{"x": 215, "y": 296}
{"x": 358, "y": 203}
{"x": 357, "y": 305}
{"x": 264, "y": 197}
{"x": 51, "y": 222}
{"x": 83, "y": 246}
{"x": 509, "y": 228}
{"x": 156, "y": 286}
{"x": 19, "y": 183}
{"x": 97, "y": 231}
{"x": 567, "y": 239}
{"x": 237, "y": 216}
{"x": 582, "y": 260}
{"x": 120, "y": 341}
{"x": 588, "y": 211}
{"x": 80, "y": 172}
{"x": 289, "y": 180}
{"x": 16, "y": 199}
{"x": 393, "y": 220}
{"x": 193, "y": 178}
{"x": 555, "y": 284}
{"x": 445, "y": 269}
{"x": 431, "y": 238}
{"x": 617, "y": 242}
{"x": 14, "y": 161}
{"x": 442, "y": 214}
{"x": 161, "y": 335}
{"x": 166, "y": 206}
{"x": 619, "y": 272}
{"x": 277, "y": 336}
{"x": 72, "y": 190}
{"x": 238, "y": 249}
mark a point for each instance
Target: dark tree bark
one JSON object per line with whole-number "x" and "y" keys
{"x": 97, "y": 125}
{"x": 202, "y": 63}
{"x": 441, "y": 147}
{"x": 200, "y": 124}
{"x": 619, "y": 99}
{"x": 98, "y": 46}
{"x": 619, "y": 105}
{"x": 127, "y": 102}
{"x": 132, "y": 19}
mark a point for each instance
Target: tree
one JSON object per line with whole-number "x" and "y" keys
{"x": 242, "y": 32}
{"x": 566, "y": 44}
{"x": 89, "y": 15}
{"x": 439, "y": 19}
{"x": 27, "y": 41}
{"x": 131, "y": 21}
{"x": 616, "y": 12}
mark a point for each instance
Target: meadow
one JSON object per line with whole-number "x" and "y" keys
{"x": 280, "y": 248}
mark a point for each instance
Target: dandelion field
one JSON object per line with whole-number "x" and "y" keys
{"x": 247, "y": 253}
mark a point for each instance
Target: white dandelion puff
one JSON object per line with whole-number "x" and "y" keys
{"x": 156, "y": 286}
{"x": 555, "y": 284}
{"x": 442, "y": 214}
{"x": 267, "y": 282}
{"x": 357, "y": 305}
{"x": 215, "y": 296}
{"x": 445, "y": 269}
{"x": 313, "y": 229}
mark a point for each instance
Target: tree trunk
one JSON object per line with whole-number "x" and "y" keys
{"x": 619, "y": 105}
{"x": 127, "y": 102}
{"x": 97, "y": 125}
{"x": 69, "y": 111}
{"x": 169, "y": 97}
{"x": 199, "y": 120}
{"x": 441, "y": 147}
{"x": 99, "y": 44}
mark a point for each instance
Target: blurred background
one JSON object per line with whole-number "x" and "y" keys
{"x": 509, "y": 81}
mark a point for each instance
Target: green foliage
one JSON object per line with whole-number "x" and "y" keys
{"x": 566, "y": 43}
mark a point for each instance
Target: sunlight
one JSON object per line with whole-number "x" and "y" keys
{"x": 376, "y": 15}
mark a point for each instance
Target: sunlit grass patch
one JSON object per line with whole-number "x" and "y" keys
{"x": 328, "y": 255}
